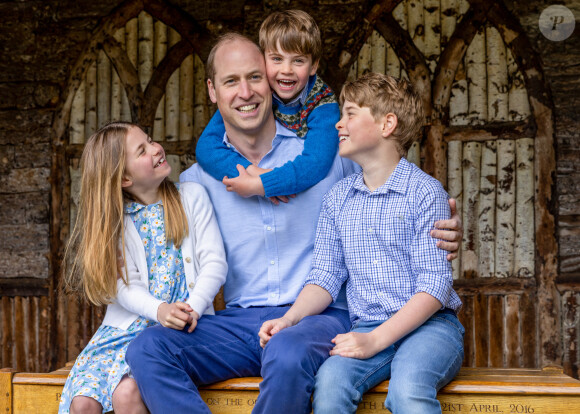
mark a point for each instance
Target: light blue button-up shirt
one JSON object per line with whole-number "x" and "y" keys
{"x": 269, "y": 247}
{"x": 379, "y": 243}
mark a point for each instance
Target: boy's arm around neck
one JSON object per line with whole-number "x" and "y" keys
{"x": 217, "y": 159}
{"x": 308, "y": 168}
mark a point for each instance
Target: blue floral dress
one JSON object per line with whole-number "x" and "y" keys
{"x": 101, "y": 365}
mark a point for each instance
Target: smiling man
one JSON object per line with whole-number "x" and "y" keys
{"x": 269, "y": 252}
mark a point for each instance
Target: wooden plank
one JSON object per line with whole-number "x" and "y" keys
{"x": 481, "y": 331}
{"x": 512, "y": 332}
{"x": 466, "y": 318}
{"x": 528, "y": 312}
{"x": 6, "y": 397}
{"x": 505, "y": 213}
{"x": 471, "y": 180}
{"x": 7, "y": 333}
{"x": 486, "y": 209}
{"x": 473, "y": 390}
{"x": 44, "y": 358}
{"x": 19, "y": 334}
{"x": 497, "y": 328}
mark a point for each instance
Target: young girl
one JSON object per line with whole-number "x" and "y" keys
{"x": 171, "y": 248}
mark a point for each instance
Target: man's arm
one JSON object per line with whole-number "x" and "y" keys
{"x": 450, "y": 231}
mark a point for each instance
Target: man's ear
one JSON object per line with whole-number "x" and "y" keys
{"x": 314, "y": 68}
{"x": 211, "y": 91}
{"x": 388, "y": 124}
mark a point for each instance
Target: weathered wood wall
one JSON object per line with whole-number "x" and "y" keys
{"x": 43, "y": 43}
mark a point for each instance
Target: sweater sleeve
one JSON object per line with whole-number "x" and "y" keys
{"x": 214, "y": 156}
{"x": 135, "y": 296}
{"x": 307, "y": 169}
{"x": 209, "y": 248}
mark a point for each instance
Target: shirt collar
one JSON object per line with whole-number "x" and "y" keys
{"x": 397, "y": 182}
{"x": 281, "y": 132}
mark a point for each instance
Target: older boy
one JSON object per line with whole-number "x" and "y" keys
{"x": 373, "y": 233}
{"x": 303, "y": 103}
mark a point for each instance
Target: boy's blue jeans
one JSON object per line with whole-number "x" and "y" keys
{"x": 169, "y": 364}
{"x": 417, "y": 365}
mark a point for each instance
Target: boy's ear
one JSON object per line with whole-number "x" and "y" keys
{"x": 389, "y": 124}
{"x": 314, "y": 68}
{"x": 211, "y": 91}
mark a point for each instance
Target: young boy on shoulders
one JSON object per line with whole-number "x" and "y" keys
{"x": 373, "y": 234}
{"x": 303, "y": 103}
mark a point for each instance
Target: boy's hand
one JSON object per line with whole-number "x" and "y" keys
{"x": 245, "y": 185}
{"x": 276, "y": 199}
{"x": 355, "y": 345}
{"x": 272, "y": 327}
{"x": 450, "y": 231}
{"x": 175, "y": 315}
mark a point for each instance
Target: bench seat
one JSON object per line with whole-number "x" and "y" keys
{"x": 474, "y": 390}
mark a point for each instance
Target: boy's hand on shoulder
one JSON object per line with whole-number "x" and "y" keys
{"x": 272, "y": 327}
{"x": 246, "y": 185}
{"x": 175, "y": 315}
{"x": 450, "y": 232}
{"x": 355, "y": 345}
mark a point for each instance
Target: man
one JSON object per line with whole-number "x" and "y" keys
{"x": 268, "y": 250}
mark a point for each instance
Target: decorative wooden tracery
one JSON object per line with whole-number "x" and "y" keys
{"x": 489, "y": 139}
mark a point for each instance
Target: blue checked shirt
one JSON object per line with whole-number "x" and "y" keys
{"x": 379, "y": 243}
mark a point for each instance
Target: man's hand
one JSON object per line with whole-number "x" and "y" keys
{"x": 176, "y": 315}
{"x": 450, "y": 231}
{"x": 272, "y": 327}
{"x": 355, "y": 345}
{"x": 246, "y": 185}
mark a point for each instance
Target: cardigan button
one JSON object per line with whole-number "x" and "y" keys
{"x": 191, "y": 285}
{"x": 188, "y": 259}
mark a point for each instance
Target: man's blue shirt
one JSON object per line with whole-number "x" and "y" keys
{"x": 379, "y": 243}
{"x": 268, "y": 247}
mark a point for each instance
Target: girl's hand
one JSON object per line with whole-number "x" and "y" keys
{"x": 355, "y": 345}
{"x": 175, "y": 315}
{"x": 193, "y": 323}
{"x": 272, "y": 327}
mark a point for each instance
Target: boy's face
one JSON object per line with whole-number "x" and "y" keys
{"x": 359, "y": 134}
{"x": 288, "y": 72}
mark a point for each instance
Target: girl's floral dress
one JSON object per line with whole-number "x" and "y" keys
{"x": 101, "y": 365}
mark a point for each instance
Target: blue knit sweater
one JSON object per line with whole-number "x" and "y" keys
{"x": 313, "y": 120}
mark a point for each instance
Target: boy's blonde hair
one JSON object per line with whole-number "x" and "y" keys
{"x": 384, "y": 94}
{"x": 295, "y": 31}
{"x": 91, "y": 255}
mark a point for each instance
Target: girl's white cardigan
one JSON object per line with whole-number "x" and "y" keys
{"x": 204, "y": 261}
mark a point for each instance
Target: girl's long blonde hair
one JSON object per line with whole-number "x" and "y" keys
{"x": 91, "y": 255}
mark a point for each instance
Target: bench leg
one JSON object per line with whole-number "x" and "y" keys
{"x": 6, "y": 390}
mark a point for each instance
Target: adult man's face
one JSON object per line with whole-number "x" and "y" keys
{"x": 240, "y": 88}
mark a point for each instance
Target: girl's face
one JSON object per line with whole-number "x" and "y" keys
{"x": 145, "y": 166}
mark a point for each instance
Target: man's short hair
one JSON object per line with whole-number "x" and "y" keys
{"x": 295, "y": 31}
{"x": 225, "y": 38}
{"x": 384, "y": 94}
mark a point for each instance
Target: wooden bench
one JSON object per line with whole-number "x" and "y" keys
{"x": 474, "y": 390}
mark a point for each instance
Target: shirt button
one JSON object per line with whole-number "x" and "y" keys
{"x": 268, "y": 228}
{"x": 375, "y": 261}
{"x": 188, "y": 259}
{"x": 191, "y": 285}
{"x": 272, "y": 262}
{"x": 272, "y": 295}
{"x": 370, "y": 229}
